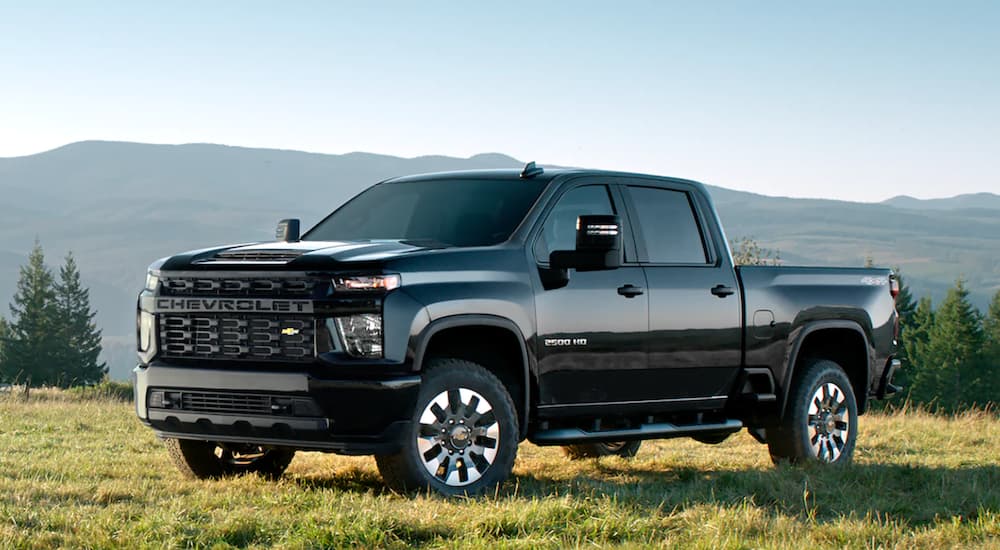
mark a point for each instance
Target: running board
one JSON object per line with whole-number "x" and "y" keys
{"x": 661, "y": 430}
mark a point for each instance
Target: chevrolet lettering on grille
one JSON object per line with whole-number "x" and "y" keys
{"x": 210, "y": 305}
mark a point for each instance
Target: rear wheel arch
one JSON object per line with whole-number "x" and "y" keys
{"x": 494, "y": 342}
{"x": 843, "y": 342}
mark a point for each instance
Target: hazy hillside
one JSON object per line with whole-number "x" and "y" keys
{"x": 119, "y": 206}
{"x": 931, "y": 246}
{"x": 974, "y": 200}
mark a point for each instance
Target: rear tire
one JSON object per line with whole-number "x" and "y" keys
{"x": 464, "y": 434}
{"x": 821, "y": 422}
{"x": 624, "y": 449}
{"x": 208, "y": 460}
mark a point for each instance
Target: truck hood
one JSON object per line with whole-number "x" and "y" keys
{"x": 302, "y": 255}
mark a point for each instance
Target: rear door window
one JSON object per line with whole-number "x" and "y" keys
{"x": 669, "y": 226}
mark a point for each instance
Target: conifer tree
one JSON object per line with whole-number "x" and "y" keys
{"x": 917, "y": 334}
{"x": 28, "y": 356}
{"x": 79, "y": 340}
{"x": 4, "y": 335}
{"x": 991, "y": 362}
{"x": 991, "y": 324}
{"x": 954, "y": 352}
{"x": 905, "y": 308}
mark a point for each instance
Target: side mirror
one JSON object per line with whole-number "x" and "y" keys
{"x": 598, "y": 233}
{"x": 288, "y": 231}
{"x": 598, "y": 245}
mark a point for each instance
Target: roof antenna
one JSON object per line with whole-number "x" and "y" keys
{"x": 530, "y": 170}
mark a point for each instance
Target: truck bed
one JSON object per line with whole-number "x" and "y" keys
{"x": 781, "y": 304}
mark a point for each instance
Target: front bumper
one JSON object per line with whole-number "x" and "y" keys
{"x": 279, "y": 408}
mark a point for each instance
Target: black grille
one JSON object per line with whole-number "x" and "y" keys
{"x": 283, "y": 256}
{"x": 246, "y": 337}
{"x": 230, "y": 403}
{"x": 237, "y": 286}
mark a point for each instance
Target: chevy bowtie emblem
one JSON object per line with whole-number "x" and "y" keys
{"x": 289, "y": 331}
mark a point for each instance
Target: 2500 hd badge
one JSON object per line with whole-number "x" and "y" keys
{"x": 552, "y": 342}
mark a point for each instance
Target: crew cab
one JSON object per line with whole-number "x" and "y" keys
{"x": 436, "y": 321}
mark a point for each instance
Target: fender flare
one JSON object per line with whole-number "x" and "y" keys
{"x": 473, "y": 320}
{"x": 793, "y": 356}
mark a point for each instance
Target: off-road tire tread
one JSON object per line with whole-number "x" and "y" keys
{"x": 194, "y": 459}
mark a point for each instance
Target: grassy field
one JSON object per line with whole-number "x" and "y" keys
{"x": 84, "y": 473}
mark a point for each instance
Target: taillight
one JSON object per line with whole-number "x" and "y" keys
{"x": 894, "y": 291}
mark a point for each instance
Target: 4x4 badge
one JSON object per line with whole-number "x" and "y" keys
{"x": 289, "y": 331}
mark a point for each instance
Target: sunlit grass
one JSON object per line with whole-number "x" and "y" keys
{"x": 86, "y": 473}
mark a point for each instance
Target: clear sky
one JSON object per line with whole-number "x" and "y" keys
{"x": 847, "y": 100}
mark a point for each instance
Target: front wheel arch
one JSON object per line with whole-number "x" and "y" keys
{"x": 515, "y": 372}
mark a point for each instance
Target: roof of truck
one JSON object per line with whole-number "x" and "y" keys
{"x": 546, "y": 175}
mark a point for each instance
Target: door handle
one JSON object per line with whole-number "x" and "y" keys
{"x": 630, "y": 291}
{"x": 722, "y": 290}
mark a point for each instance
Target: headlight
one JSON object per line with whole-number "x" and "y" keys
{"x": 361, "y": 334}
{"x": 152, "y": 280}
{"x": 145, "y": 322}
{"x": 365, "y": 282}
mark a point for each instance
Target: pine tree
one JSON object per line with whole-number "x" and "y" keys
{"x": 991, "y": 362}
{"x": 954, "y": 351}
{"x": 4, "y": 336}
{"x": 28, "y": 356}
{"x": 991, "y": 324}
{"x": 905, "y": 308}
{"x": 79, "y": 339}
{"x": 912, "y": 376}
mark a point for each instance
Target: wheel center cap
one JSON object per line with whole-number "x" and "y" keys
{"x": 460, "y": 436}
{"x": 827, "y": 423}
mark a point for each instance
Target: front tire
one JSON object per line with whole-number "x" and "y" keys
{"x": 208, "y": 460}
{"x": 821, "y": 423}
{"x": 623, "y": 449}
{"x": 464, "y": 434}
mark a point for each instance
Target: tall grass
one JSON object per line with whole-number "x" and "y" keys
{"x": 83, "y": 472}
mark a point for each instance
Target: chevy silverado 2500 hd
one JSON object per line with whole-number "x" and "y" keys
{"x": 436, "y": 321}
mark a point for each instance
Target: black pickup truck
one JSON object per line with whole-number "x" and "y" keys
{"x": 436, "y": 321}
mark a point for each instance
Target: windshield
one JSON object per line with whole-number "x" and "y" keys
{"x": 450, "y": 212}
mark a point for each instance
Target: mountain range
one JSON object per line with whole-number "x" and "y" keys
{"x": 119, "y": 206}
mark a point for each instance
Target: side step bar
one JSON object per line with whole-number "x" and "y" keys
{"x": 661, "y": 430}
